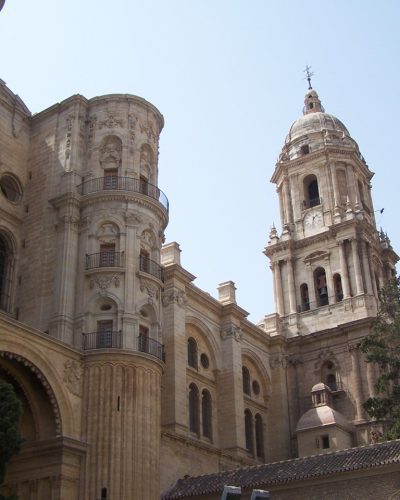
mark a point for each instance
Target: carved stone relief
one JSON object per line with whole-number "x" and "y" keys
{"x": 231, "y": 331}
{"x": 72, "y": 376}
{"x": 111, "y": 122}
{"x": 150, "y": 288}
{"x": 104, "y": 282}
{"x": 174, "y": 296}
{"x": 111, "y": 152}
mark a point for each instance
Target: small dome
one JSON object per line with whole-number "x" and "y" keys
{"x": 320, "y": 387}
{"x": 320, "y": 416}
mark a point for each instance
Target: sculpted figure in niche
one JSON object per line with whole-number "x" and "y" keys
{"x": 111, "y": 152}
{"x": 146, "y": 159}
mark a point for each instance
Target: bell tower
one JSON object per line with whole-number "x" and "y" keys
{"x": 329, "y": 261}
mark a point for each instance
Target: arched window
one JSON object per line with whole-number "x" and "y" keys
{"x": 248, "y": 428}
{"x": 206, "y": 414}
{"x": 305, "y": 298}
{"x": 192, "y": 352}
{"x": 246, "y": 380}
{"x": 321, "y": 287}
{"x": 259, "y": 436}
{"x": 194, "y": 409}
{"x": 6, "y": 265}
{"x": 331, "y": 382}
{"x": 330, "y": 375}
{"x": 337, "y": 282}
{"x": 311, "y": 191}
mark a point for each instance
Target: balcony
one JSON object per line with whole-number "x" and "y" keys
{"x": 104, "y": 259}
{"x": 102, "y": 340}
{"x": 113, "y": 340}
{"x": 149, "y": 266}
{"x": 114, "y": 183}
{"x": 151, "y": 346}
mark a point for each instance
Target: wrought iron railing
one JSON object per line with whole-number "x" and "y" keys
{"x": 150, "y": 346}
{"x": 114, "y": 183}
{"x": 104, "y": 259}
{"x": 150, "y": 267}
{"x": 102, "y": 340}
{"x": 113, "y": 340}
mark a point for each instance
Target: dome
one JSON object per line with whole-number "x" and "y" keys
{"x": 315, "y": 122}
{"x": 320, "y": 416}
{"x": 315, "y": 130}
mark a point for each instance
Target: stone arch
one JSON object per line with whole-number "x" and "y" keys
{"x": 260, "y": 367}
{"x": 311, "y": 191}
{"x": 7, "y": 269}
{"x": 208, "y": 337}
{"x": 39, "y": 394}
{"x": 95, "y": 314}
{"x": 322, "y": 368}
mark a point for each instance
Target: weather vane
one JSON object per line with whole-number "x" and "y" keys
{"x": 309, "y": 75}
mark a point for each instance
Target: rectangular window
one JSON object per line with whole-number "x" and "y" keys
{"x": 325, "y": 442}
{"x": 111, "y": 179}
{"x": 107, "y": 255}
{"x": 104, "y": 333}
{"x": 143, "y": 338}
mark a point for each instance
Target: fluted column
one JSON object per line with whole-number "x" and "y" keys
{"x": 276, "y": 270}
{"x": 356, "y": 382}
{"x": 343, "y": 271}
{"x": 291, "y": 287}
{"x": 122, "y": 426}
{"x": 357, "y": 267}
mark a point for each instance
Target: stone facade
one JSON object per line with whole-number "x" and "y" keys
{"x": 130, "y": 375}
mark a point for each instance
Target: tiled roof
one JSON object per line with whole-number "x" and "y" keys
{"x": 279, "y": 473}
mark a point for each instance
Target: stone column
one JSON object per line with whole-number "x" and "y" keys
{"x": 336, "y": 193}
{"x": 311, "y": 287}
{"x": 281, "y": 208}
{"x": 230, "y": 391}
{"x": 276, "y": 270}
{"x": 329, "y": 282}
{"x": 357, "y": 267}
{"x": 121, "y": 425}
{"x": 291, "y": 287}
{"x": 343, "y": 271}
{"x": 356, "y": 382}
{"x": 61, "y": 325}
{"x": 288, "y": 217}
{"x": 131, "y": 287}
{"x": 367, "y": 267}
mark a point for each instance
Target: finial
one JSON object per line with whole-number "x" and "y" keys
{"x": 309, "y": 74}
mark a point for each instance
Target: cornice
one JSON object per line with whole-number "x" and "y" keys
{"x": 126, "y": 197}
{"x": 172, "y": 271}
{"x": 331, "y": 153}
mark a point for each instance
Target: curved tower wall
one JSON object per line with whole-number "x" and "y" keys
{"x": 88, "y": 230}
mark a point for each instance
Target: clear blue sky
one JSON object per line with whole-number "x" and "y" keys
{"x": 228, "y": 78}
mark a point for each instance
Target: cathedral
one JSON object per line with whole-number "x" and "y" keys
{"x": 130, "y": 376}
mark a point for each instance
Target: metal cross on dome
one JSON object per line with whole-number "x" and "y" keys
{"x": 309, "y": 74}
